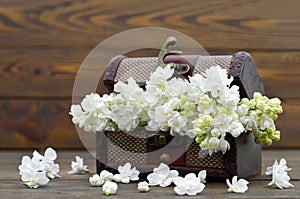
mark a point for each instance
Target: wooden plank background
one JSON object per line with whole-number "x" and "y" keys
{"x": 42, "y": 44}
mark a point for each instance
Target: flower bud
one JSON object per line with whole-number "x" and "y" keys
{"x": 224, "y": 145}
{"x": 215, "y": 132}
{"x": 143, "y": 186}
{"x": 109, "y": 188}
{"x": 213, "y": 142}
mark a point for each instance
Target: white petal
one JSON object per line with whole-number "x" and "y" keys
{"x": 178, "y": 181}
{"x": 154, "y": 179}
{"x": 126, "y": 167}
{"x": 26, "y": 160}
{"x": 234, "y": 180}
{"x": 135, "y": 175}
{"x": 243, "y": 182}
{"x": 173, "y": 174}
{"x": 163, "y": 169}
{"x": 202, "y": 176}
{"x": 50, "y": 154}
{"x": 179, "y": 190}
{"x": 117, "y": 178}
{"x": 72, "y": 172}
{"x": 37, "y": 155}
{"x": 229, "y": 185}
{"x": 191, "y": 177}
{"x": 125, "y": 180}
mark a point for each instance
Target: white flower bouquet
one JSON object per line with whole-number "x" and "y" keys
{"x": 206, "y": 107}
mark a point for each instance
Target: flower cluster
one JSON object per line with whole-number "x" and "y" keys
{"x": 37, "y": 170}
{"x": 258, "y": 115}
{"x": 105, "y": 180}
{"x": 125, "y": 175}
{"x": 206, "y": 107}
{"x": 190, "y": 184}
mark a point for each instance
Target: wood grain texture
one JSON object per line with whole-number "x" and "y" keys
{"x": 37, "y": 124}
{"x": 51, "y": 72}
{"x": 77, "y": 186}
{"x": 232, "y": 24}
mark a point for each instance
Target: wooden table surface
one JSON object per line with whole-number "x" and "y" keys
{"x": 77, "y": 186}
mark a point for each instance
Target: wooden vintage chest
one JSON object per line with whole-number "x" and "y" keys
{"x": 145, "y": 150}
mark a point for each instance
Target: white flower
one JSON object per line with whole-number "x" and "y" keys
{"x": 93, "y": 115}
{"x": 216, "y": 81}
{"x": 189, "y": 185}
{"x": 96, "y": 181}
{"x": 195, "y": 87}
{"x": 162, "y": 176}
{"x": 109, "y": 188}
{"x": 159, "y": 117}
{"x": 266, "y": 123}
{"x": 34, "y": 171}
{"x": 129, "y": 90}
{"x": 160, "y": 74}
{"x": 126, "y": 174}
{"x": 46, "y": 162}
{"x": 28, "y": 164}
{"x": 224, "y": 145}
{"x": 78, "y": 167}
{"x": 52, "y": 171}
{"x": 269, "y": 170}
{"x": 106, "y": 175}
{"x": 280, "y": 178}
{"x": 237, "y": 186}
{"x": 176, "y": 87}
{"x": 143, "y": 186}
{"x": 157, "y": 85}
{"x": 202, "y": 176}
{"x": 34, "y": 179}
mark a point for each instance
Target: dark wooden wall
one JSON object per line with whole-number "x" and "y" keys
{"x": 42, "y": 44}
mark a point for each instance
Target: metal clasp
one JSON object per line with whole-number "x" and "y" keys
{"x": 181, "y": 68}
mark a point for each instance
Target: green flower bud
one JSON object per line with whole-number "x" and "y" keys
{"x": 245, "y": 101}
{"x": 257, "y": 95}
{"x": 275, "y": 135}
{"x": 207, "y": 120}
{"x": 215, "y": 132}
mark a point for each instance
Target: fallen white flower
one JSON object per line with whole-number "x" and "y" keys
{"x": 109, "y": 188}
{"x": 34, "y": 179}
{"x": 237, "y": 186}
{"x": 126, "y": 174}
{"x": 52, "y": 171}
{"x": 49, "y": 156}
{"x": 96, "y": 181}
{"x": 106, "y": 175}
{"x": 189, "y": 185}
{"x": 280, "y": 178}
{"x": 162, "y": 176}
{"x": 269, "y": 170}
{"x": 36, "y": 170}
{"x": 78, "y": 167}
{"x": 143, "y": 186}
{"x": 46, "y": 162}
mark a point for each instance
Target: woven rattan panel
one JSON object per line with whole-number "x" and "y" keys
{"x": 204, "y": 62}
{"x": 125, "y": 147}
{"x": 195, "y": 158}
{"x": 141, "y": 68}
{"x": 138, "y": 68}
